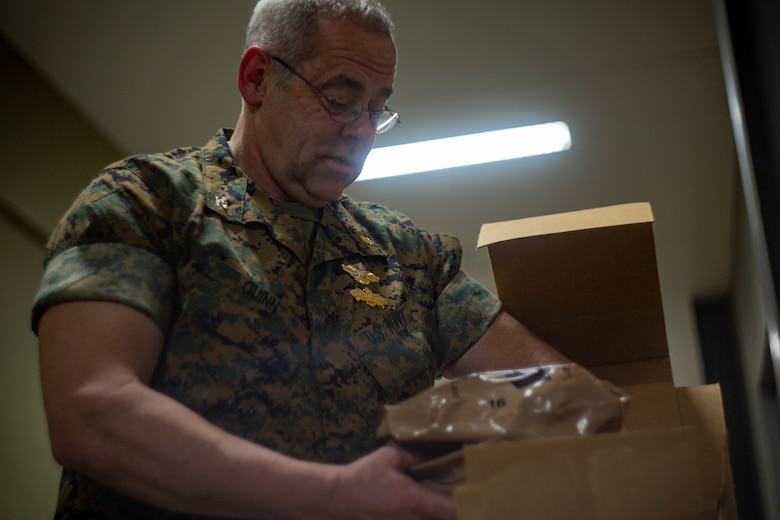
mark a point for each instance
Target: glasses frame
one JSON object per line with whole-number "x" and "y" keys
{"x": 383, "y": 120}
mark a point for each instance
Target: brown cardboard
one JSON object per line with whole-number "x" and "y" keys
{"x": 587, "y": 282}
{"x": 644, "y": 475}
{"x": 701, "y": 406}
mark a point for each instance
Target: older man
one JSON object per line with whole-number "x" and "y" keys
{"x": 219, "y": 326}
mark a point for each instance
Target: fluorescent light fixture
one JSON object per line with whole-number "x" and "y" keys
{"x": 465, "y": 150}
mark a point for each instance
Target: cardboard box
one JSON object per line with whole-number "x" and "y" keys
{"x": 587, "y": 282}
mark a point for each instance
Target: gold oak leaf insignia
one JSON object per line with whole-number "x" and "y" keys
{"x": 371, "y": 298}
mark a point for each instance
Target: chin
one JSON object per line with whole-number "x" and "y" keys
{"x": 321, "y": 197}
{"x": 333, "y": 190}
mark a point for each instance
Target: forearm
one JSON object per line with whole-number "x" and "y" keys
{"x": 105, "y": 422}
{"x": 507, "y": 343}
{"x": 145, "y": 445}
{"x": 180, "y": 462}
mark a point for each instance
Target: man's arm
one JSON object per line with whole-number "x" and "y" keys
{"x": 507, "y": 343}
{"x": 96, "y": 359}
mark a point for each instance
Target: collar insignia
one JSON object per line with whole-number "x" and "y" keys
{"x": 221, "y": 201}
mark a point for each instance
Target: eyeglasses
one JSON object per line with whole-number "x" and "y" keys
{"x": 348, "y": 109}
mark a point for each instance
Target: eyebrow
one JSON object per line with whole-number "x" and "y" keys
{"x": 353, "y": 84}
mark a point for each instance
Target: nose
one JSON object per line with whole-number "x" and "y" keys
{"x": 362, "y": 128}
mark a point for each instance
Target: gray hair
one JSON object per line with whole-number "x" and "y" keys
{"x": 287, "y": 28}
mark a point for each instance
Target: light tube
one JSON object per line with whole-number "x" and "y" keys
{"x": 465, "y": 150}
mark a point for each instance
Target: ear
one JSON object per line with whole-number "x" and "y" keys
{"x": 253, "y": 73}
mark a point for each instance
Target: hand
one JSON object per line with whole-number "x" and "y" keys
{"x": 378, "y": 487}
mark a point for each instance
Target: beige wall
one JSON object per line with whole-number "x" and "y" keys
{"x": 39, "y": 133}
{"x": 26, "y": 466}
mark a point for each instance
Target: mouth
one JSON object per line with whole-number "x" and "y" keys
{"x": 341, "y": 160}
{"x": 341, "y": 165}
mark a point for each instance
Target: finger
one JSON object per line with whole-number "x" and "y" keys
{"x": 404, "y": 459}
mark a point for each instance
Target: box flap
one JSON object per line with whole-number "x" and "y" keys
{"x": 586, "y": 282}
{"x": 634, "y": 213}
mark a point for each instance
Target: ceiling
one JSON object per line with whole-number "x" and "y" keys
{"x": 639, "y": 84}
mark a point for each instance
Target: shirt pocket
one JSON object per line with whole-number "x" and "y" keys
{"x": 395, "y": 351}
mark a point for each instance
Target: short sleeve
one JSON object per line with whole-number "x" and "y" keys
{"x": 108, "y": 272}
{"x": 114, "y": 244}
{"x": 464, "y": 307}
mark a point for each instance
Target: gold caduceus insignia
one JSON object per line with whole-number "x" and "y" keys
{"x": 371, "y": 298}
{"x": 361, "y": 275}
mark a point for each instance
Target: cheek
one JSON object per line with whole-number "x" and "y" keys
{"x": 365, "y": 148}
{"x": 362, "y": 159}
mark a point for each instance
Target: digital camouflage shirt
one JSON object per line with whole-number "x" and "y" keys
{"x": 294, "y": 344}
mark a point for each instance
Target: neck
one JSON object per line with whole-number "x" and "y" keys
{"x": 247, "y": 156}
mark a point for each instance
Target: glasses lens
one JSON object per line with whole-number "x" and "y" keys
{"x": 349, "y": 110}
{"x": 385, "y": 121}
{"x": 344, "y": 110}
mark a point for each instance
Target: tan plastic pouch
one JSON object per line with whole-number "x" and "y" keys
{"x": 546, "y": 401}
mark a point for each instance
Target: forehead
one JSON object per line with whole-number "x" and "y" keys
{"x": 347, "y": 53}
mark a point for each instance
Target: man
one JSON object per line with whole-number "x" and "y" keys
{"x": 219, "y": 327}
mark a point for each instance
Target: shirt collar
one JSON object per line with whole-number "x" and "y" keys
{"x": 225, "y": 184}
{"x": 230, "y": 193}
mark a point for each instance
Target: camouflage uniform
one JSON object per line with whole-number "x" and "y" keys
{"x": 291, "y": 343}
